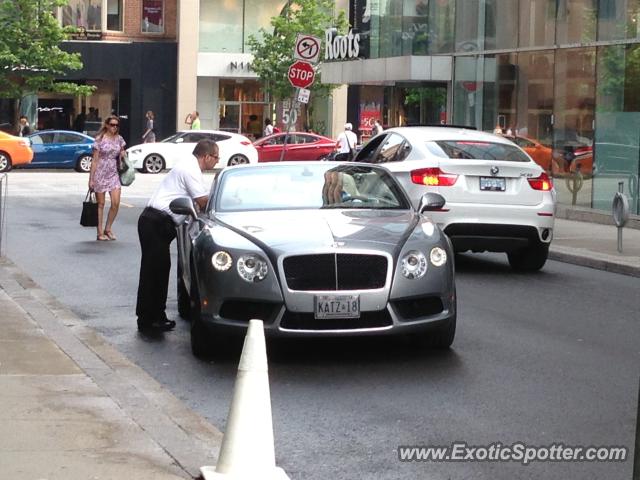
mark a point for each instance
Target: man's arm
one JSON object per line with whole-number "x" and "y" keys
{"x": 202, "y": 202}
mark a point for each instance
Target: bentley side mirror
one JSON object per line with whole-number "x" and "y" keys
{"x": 183, "y": 206}
{"x": 430, "y": 201}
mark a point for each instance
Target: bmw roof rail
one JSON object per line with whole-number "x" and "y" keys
{"x": 447, "y": 125}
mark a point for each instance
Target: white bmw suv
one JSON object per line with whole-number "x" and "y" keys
{"x": 498, "y": 198}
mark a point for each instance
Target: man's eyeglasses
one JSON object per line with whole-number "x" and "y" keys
{"x": 113, "y": 124}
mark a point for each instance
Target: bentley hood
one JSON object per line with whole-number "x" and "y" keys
{"x": 306, "y": 230}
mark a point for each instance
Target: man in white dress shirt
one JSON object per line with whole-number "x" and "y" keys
{"x": 156, "y": 230}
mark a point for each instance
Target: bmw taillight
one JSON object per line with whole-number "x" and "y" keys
{"x": 543, "y": 182}
{"x": 433, "y": 177}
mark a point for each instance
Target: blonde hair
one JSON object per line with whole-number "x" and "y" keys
{"x": 150, "y": 114}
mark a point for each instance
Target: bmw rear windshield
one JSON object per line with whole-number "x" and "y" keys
{"x": 476, "y": 150}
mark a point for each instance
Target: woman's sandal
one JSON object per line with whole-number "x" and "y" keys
{"x": 109, "y": 234}
{"x": 102, "y": 238}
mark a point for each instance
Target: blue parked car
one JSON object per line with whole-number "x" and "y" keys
{"x": 61, "y": 149}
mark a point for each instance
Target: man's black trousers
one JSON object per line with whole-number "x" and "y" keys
{"x": 156, "y": 231}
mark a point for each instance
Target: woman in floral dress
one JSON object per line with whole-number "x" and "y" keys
{"x": 107, "y": 152}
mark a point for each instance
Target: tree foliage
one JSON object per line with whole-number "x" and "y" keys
{"x": 273, "y": 51}
{"x": 31, "y": 60}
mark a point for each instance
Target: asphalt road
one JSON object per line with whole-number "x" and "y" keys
{"x": 542, "y": 358}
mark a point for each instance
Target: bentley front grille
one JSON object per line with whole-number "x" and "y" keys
{"x": 335, "y": 271}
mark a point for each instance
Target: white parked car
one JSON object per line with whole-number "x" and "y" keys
{"x": 497, "y": 198}
{"x": 234, "y": 149}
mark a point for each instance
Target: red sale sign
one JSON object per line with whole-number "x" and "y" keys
{"x": 368, "y": 118}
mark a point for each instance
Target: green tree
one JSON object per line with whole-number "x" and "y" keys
{"x": 273, "y": 51}
{"x": 31, "y": 60}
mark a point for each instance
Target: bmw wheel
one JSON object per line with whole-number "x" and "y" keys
{"x": 84, "y": 163}
{"x": 5, "y": 162}
{"x": 153, "y": 163}
{"x": 237, "y": 159}
{"x": 529, "y": 259}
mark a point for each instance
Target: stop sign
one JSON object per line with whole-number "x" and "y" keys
{"x": 301, "y": 74}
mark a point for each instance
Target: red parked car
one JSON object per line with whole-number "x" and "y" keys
{"x": 300, "y": 146}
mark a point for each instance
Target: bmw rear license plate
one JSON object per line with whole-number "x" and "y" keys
{"x": 337, "y": 306}
{"x": 493, "y": 184}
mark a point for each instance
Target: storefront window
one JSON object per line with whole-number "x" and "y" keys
{"x": 441, "y": 26}
{"x": 242, "y": 107}
{"x": 573, "y": 113}
{"x": 618, "y": 19}
{"x": 534, "y": 96}
{"x": 501, "y": 24}
{"x": 537, "y": 23}
{"x": 469, "y": 26}
{"x": 576, "y": 22}
{"x": 467, "y": 92}
{"x": 415, "y": 27}
{"x": 221, "y": 26}
{"x": 391, "y": 30}
{"x": 617, "y": 137}
{"x": 258, "y": 14}
{"x": 114, "y": 15}
{"x": 499, "y": 87}
{"x": 225, "y": 26}
{"x": 152, "y": 16}
{"x": 83, "y": 13}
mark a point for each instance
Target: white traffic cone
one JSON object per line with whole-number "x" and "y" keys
{"x": 247, "y": 451}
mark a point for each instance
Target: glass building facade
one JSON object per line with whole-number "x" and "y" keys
{"x": 560, "y": 76}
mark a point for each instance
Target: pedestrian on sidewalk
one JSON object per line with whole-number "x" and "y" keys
{"x": 156, "y": 231}
{"x": 108, "y": 151}
{"x": 193, "y": 120}
{"x": 347, "y": 141}
{"x": 149, "y": 135}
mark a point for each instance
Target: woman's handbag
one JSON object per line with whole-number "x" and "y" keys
{"x": 126, "y": 171}
{"x": 89, "y": 216}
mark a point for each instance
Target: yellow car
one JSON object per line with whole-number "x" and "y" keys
{"x": 14, "y": 151}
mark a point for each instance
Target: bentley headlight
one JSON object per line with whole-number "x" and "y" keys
{"x": 252, "y": 267}
{"x": 221, "y": 261}
{"x": 413, "y": 264}
{"x": 438, "y": 256}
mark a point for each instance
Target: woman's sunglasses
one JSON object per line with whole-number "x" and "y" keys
{"x": 113, "y": 124}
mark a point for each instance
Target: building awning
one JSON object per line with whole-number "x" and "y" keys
{"x": 381, "y": 71}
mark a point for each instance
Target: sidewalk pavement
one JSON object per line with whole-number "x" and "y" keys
{"x": 73, "y": 408}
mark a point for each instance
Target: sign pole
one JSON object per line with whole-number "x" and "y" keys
{"x": 293, "y": 106}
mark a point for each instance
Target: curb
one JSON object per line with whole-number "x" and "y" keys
{"x": 598, "y": 261}
{"x": 183, "y": 434}
{"x": 590, "y": 215}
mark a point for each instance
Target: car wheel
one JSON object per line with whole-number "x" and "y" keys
{"x": 184, "y": 301}
{"x": 5, "y": 162}
{"x": 153, "y": 163}
{"x": 529, "y": 259}
{"x": 237, "y": 159}
{"x": 84, "y": 163}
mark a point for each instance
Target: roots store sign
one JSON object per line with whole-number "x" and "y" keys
{"x": 341, "y": 47}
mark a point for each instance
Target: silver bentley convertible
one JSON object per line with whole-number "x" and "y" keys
{"x": 314, "y": 249}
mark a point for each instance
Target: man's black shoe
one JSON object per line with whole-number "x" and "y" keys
{"x": 156, "y": 326}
